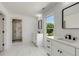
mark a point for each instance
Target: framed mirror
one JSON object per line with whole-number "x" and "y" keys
{"x": 39, "y": 24}
{"x": 70, "y": 16}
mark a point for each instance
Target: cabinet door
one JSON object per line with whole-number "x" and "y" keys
{"x": 56, "y": 51}
{"x": 39, "y": 40}
{"x": 60, "y": 49}
{"x": 66, "y": 49}
{"x": 77, "y": 52}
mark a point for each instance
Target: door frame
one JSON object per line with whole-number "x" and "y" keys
{"x": 12, "y": 28}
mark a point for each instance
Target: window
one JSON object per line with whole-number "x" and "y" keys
{"x": 50, "y": 26}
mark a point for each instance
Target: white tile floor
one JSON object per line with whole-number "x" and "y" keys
{"x": 21, "y": 49}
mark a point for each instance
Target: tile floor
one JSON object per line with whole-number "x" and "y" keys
{"x": 21, "y": 49}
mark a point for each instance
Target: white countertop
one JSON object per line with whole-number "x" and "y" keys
{"x": 74, "y": 44}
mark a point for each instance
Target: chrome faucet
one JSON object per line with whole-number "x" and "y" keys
{"x": 68, "y": 37}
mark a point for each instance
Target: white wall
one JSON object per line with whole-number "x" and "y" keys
{"x": 7, "y": 27}
{"x": 28, "y": 26}
{"x": 56, "y": 11}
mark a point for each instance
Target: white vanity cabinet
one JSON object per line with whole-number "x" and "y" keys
{"x": 62, "y": 49}
{"x": 56, "y": 48}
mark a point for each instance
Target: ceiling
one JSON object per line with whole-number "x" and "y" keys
{"x": 25, "y": 8}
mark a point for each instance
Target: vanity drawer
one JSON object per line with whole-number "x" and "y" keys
{"x": 57, "y": 51}
{"x": 64, "y": 47}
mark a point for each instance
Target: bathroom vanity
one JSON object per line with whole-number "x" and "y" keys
{"x": 69, "y": 45}
{"x": 59, "y": 47}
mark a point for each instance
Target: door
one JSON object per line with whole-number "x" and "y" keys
{"x": 17, "y": 30}
{"x": 1, "y": 33}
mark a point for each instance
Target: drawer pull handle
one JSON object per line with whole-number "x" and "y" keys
{"x": 3, "y": 44}
{"x": 58, "y": 50}
{"x": 48, "y": 46}
{"x": 48, "y": 54}
{"x": 48, "y": 40}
